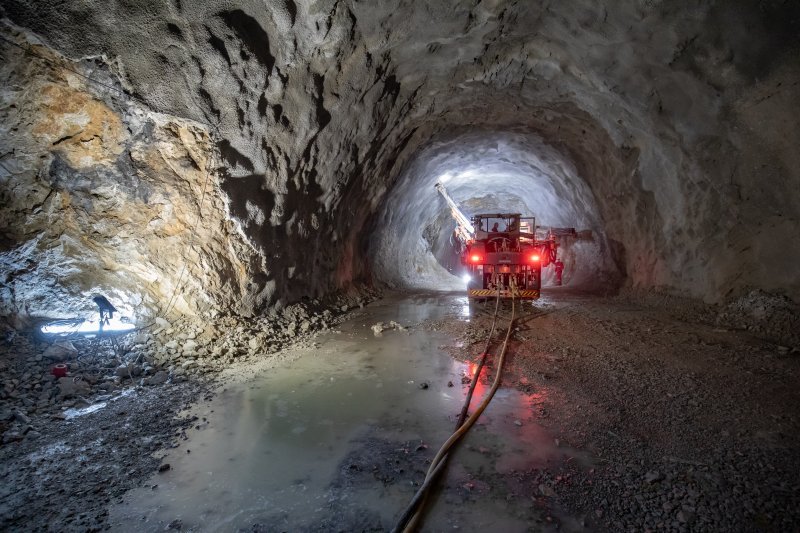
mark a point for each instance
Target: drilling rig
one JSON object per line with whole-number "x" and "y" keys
{"x": 504, "y": 252}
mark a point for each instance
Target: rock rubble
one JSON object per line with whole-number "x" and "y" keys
{"x": 120, "y": 402}
{"x": 165, "y": 352}
{"x": 688, "y": 426}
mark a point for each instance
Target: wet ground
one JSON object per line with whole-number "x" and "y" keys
{"x": 693, "y": 426}
{"x": 616, "y": 413}
{"x": 339, "y": 438}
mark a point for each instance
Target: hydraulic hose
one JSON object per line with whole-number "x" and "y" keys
{"x": 479, "y": 369}
{"x": 421, "y": 495}
{"x": 408, "y": 522}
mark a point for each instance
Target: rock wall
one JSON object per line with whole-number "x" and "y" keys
{"x": 677, "y": 121}
{"x": 102, "y": 196}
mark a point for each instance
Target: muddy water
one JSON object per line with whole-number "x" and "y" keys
{"x": 336, "y": 439}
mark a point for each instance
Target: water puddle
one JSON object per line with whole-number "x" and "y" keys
{"x": 337, "y": 439}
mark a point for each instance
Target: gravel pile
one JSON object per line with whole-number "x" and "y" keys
{"x": 772, "y": 317}
{"x": 767, "y": 315}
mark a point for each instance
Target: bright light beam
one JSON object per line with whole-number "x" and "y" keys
{"x": 114, "y": 325}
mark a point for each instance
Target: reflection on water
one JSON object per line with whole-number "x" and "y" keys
{"x": 270, "y": 451}
{"x": 463, "y": 307}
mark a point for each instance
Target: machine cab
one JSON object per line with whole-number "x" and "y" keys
{"x": 505, "y": 231}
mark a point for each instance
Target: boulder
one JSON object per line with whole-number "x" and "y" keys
{"x": 60, "y": 351}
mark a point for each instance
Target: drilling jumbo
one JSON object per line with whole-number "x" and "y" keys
{"x": 504, "y": 252}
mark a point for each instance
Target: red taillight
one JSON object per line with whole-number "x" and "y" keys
{"x": 476, "y": 258}
{"x": 535, "y": 258}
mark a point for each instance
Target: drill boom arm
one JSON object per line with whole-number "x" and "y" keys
{"x": 464, "y": 228}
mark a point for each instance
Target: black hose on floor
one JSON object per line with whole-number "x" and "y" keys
{"x": 410, "y": 517}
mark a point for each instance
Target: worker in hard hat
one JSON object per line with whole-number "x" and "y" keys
{"x": 496, "y": 226}
{"x": 559, "y": 266}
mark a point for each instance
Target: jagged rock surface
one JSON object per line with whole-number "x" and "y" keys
{"x": 104, "y": 196}
{"x": 675, "y": 127}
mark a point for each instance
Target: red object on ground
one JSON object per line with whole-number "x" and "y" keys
{"x": 59, "y": 370}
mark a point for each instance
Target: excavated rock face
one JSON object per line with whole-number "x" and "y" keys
{"x": 101, "y": 196}
{"x": 669, "y": 131}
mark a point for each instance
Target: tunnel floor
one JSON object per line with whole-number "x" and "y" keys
{"x": 613, "y": 415}
{"x": 339, "y": 439}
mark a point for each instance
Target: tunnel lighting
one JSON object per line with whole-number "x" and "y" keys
{"x": 84, "y": 327}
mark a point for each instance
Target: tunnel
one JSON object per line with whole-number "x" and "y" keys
{"x": 246, "y": 184}
{"x": 486, "y": 172}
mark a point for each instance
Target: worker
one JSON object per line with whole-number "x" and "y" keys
{"x": 559, "y": 266}
{"x": 495, "y": 227}
{"x": 107, "y": 310}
